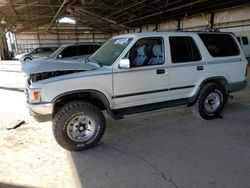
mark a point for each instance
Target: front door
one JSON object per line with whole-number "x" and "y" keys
{"x": 146, "y": 81}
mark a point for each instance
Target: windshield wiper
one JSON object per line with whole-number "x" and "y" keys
{"x": 93, "y": 61}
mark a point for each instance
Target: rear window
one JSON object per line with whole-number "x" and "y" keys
{"x": 220, "y": 45}
{"x": 245, "y": 40}
{"x": 183, "y": 49}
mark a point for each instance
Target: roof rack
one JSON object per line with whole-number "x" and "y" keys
{"x": 181, "y": 30}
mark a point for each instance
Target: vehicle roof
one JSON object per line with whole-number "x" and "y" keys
{"x": 177, "y": 33}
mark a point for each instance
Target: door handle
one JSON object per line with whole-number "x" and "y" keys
{"x": 200, "y": 68}
{"x": 160, "y": 71}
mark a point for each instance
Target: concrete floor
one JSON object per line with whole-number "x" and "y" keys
{"x": 169, "y": 148}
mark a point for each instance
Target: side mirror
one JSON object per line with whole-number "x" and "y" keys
{"x": 124, "y": 64}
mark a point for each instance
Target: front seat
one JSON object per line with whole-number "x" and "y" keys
{"x": 141, "y": 57}
{"x": 157, "y": 59}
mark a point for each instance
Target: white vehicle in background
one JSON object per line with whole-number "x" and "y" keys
{"x": 136, "y": 73}
{"x": 245, "y": 45}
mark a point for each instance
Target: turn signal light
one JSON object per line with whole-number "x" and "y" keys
{"x": 36, "y": 96}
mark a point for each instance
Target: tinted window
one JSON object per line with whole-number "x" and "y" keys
{"x": 245, "y": 40}
{"x": 69, "y": 52}
{"x": 84, "y": 50}
{"x": 47, "y": 49}
{"x": 146, "y": 51}
{"x": 96, "y": 47}
{"x": 183, "y": 49}
{"x": 220, "y": 45}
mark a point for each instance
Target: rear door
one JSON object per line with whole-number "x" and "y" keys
{"x": 186, "y": 65}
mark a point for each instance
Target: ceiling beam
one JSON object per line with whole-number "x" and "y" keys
{"x": 58, "y": 12}
{"x": 97, "y": 16}
{"x": 167, "y": 10}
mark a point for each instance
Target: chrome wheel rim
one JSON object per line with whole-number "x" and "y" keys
{"x": 81, "y": 128}
{"x": 213, "y": 101}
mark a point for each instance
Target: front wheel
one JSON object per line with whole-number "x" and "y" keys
{"x": 210, "y": 102}
{"x": 78, "y": 126}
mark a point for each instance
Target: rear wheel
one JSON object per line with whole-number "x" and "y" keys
{"x": 78, "y": 126}
{"x": 210, "y": 102}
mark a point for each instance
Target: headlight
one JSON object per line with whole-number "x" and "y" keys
{"x": 35, "y": 96}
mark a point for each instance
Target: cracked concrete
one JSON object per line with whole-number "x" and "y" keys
{"x": 156, "y": 169}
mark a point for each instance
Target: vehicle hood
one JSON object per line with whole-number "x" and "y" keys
{"x": 50, "y": 65}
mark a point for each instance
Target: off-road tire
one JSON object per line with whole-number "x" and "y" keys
{"x": 199, "y": 109}
{"x": 66, "y": 114}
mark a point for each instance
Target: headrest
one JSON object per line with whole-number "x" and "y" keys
{"x": 141, "y": 51}
{"x": 157, "y": 50}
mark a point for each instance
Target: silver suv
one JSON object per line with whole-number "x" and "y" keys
{"x": 135, "y": 73}
{"x": 36, "y": 53}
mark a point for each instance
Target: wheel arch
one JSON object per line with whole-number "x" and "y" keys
{"x": 92, "y": 96}
{"x": 216, "y": 79}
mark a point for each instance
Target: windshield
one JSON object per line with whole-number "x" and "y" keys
{"x": 110, "y": 51}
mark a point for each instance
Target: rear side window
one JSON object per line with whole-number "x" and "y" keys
{"x": 96, "y": 47}
{"x": 245, "y": 41}
{"x": 220, "y": 45}
{"x": 183, "y": 49}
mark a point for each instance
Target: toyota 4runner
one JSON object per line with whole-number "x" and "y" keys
{"x": 135, "y": 73}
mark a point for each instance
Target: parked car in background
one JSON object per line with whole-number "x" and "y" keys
{"x": 75, "y": 51}
{"x": 245, "y": 45}
{"x": 67, "y": 57}
{"x": 36, "y": 53}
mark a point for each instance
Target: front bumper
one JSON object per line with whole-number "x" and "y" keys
{"x": 41, "y": 112}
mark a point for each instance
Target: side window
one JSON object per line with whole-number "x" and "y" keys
{"x": 245, "y": 41}
{"x": 47, "y": 49}
{"x": 84, "y": 50}
{"x": 220, "y": 45}
{"x": 146, "y": 52}
{"x": 183, "y": 49}
{"x": 96, "y": 47}
{"x": 38, "y": 50}
{"x": 68, "y": 52}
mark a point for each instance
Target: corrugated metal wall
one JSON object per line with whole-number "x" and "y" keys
{"x": 62, "y": 35}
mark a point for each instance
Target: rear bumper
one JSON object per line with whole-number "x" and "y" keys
{"x": 237, "y": 86}
{"x": 41, "y": 112}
